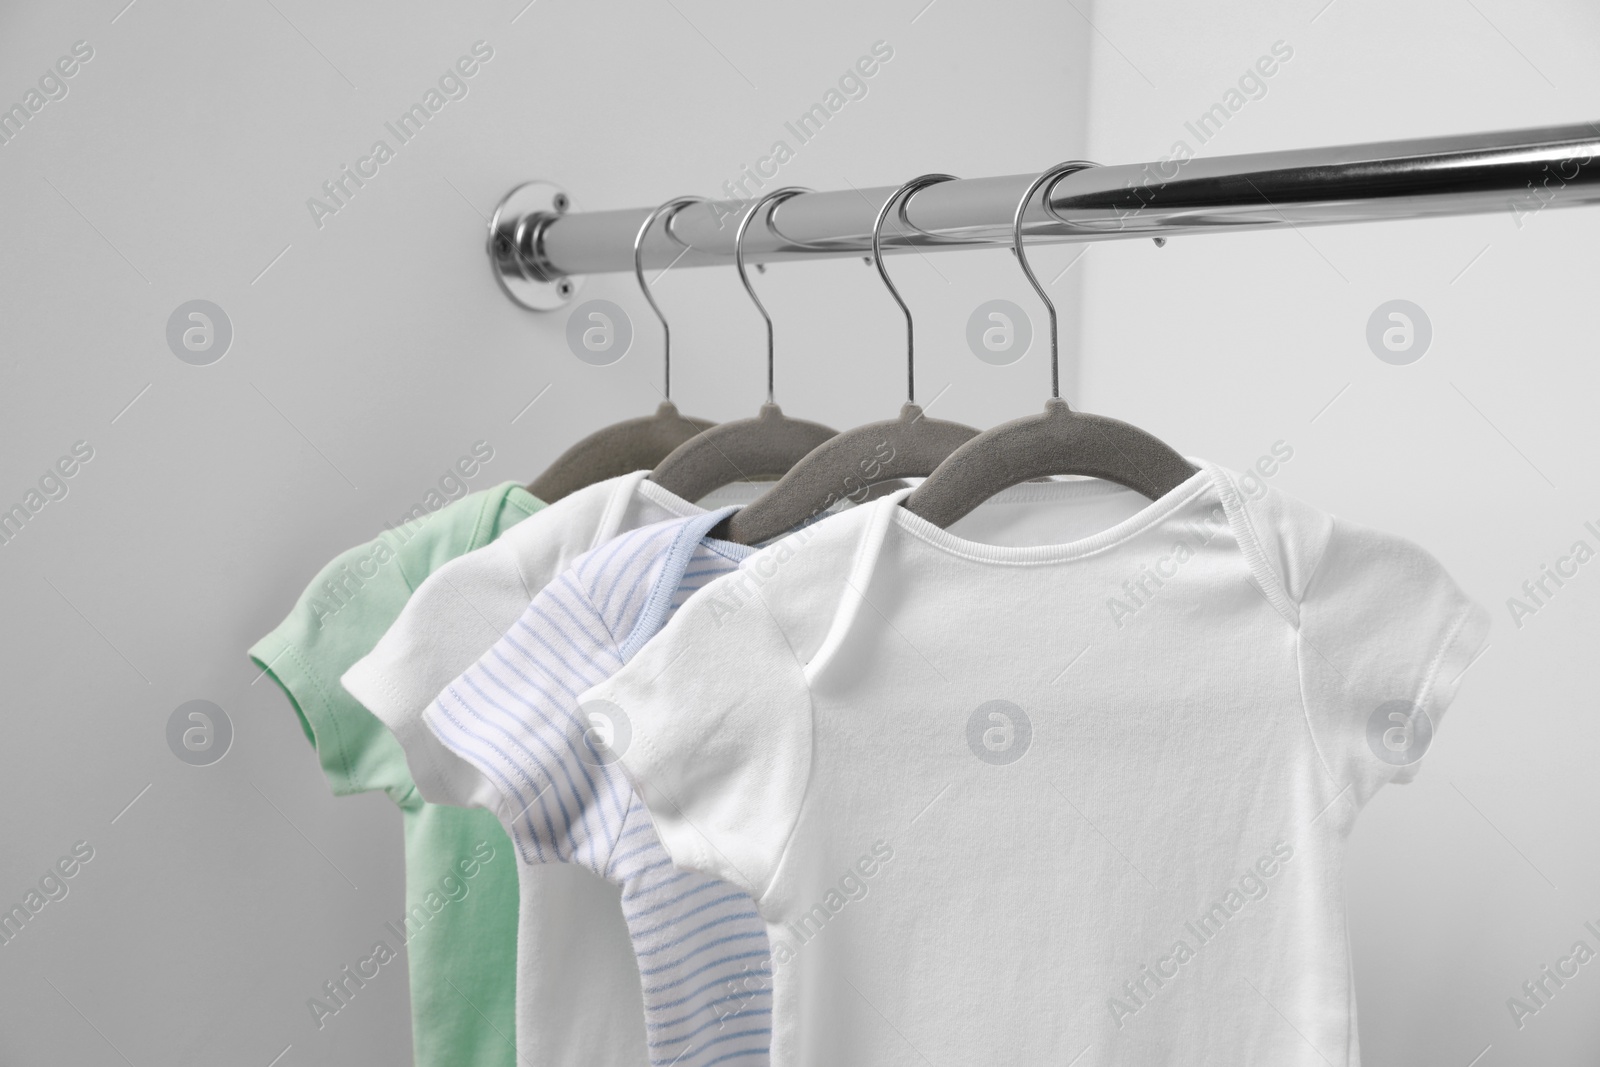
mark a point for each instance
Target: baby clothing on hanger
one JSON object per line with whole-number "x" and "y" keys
{"x": 547, "y": 768}
{"x": 1030, "y": 802}
{"x": 455, "y": 616}
{"x": 578, "y": 996}
{"x": 579, "y": 970}
{"x": 460, "y": 924}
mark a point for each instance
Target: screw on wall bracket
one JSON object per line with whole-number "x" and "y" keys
{"x": 515, "y": 235}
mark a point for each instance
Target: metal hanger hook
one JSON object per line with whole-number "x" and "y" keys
{"x": 1048, "y": 178}
{"x": 902, "y": 196}
{"x": 776, "y": 197}
{"x": 669, "y": 209}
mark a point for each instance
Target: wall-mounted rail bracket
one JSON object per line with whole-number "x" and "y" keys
{"x": 515, "y": 234}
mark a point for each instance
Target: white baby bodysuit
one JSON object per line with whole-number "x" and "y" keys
{"x": 467, "y": 604}
{"x": 1074, "y": 802}
{"x": 578, "y": 1000}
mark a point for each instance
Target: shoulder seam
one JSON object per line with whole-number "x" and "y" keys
{"x": 582, "y": 590}
{"x": 811, "y": 760}
{"x": 482, "y": 523}
{"x": 658, "y": 597}
{"x": 1425, "y": 695}
{"x": 1300, "y": 681}
{"x": 863, "y": 563}
{"x": 1255, "y": 557}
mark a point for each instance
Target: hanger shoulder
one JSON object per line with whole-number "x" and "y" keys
{"x": 848, "y": 466}
{"x": 1060, "y": 441}
{"x": 624, "y": 447}
{"x": 758, "y": 449}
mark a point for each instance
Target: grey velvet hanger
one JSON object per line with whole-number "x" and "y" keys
{"x": 634, "y": 444}
{"x": 755, "y": 449}
{"x": 1060, "y": 441}
{"x": 909, "y": 446}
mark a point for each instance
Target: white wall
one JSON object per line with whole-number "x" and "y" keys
{"x": 1463, "y": 884}
{"x": 367, "y": 355}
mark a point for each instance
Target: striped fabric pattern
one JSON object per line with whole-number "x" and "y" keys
{"x": 701, "y": 947}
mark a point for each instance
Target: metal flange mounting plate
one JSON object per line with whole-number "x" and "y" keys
{"x": 514, "y": 233}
